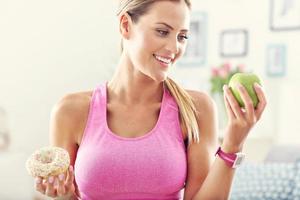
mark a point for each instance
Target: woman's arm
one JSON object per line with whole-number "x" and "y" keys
{"x": 217, "y": 184}
{"x": 66, "y": 125}
{"x": 201, "y": 155}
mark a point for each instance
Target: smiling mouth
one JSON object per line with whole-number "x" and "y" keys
{"x": 163, "y": 60}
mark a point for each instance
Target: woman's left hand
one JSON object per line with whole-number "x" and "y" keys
{"x": 241, "y": 120}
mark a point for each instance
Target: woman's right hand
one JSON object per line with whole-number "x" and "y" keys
{"x": 60, "y": 187}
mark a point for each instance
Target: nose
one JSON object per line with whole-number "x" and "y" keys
{"x": 173, "y": 45}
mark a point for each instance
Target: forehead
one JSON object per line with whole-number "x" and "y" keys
{"x": 176, "y": 14}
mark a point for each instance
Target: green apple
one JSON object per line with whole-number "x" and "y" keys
{"x": 247, "y": 80}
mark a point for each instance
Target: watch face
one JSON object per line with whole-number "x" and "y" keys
{"x": 239, "y": 160}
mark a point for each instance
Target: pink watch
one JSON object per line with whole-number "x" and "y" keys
{"x": 233, "y": 160}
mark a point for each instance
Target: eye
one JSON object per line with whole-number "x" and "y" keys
{"x": 182, "y": 37}
{"x": 162, "y": 32}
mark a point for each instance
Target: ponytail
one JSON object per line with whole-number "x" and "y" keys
{"x": 187, "y": 110}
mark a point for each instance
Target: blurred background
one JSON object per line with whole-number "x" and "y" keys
{"x": 51, "y": 48}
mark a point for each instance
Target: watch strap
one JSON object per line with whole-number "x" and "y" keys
{"x": 229, "y": 158}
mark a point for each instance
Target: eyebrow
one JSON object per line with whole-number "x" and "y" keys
{"x": 185, "y": 30}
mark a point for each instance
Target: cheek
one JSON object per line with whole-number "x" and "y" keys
{"x": 147, "y": 46}
{"x": 150, "y": 43}
{"x": 181, "y": 51}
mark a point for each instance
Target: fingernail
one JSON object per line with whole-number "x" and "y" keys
{"x": 38, "y": 180}
{"x": 61, "y": 177}
{"x": 56, "y": 182}
{"x": 50, "y": 179}
{"x": 239, "y": 85}
{"x": 224, "y": 87}
{"x": 256, "y": 85}
{"x": 71, "y": 168}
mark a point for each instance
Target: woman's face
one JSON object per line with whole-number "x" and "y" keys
{"x": 159, "y": 38}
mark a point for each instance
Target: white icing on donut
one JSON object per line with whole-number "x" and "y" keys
{"x": 48, "y": 161}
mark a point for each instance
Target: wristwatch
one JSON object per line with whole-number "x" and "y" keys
{"x": 233, "y": 160}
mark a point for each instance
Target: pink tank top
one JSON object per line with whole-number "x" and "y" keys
{"x": 152, "y": 166}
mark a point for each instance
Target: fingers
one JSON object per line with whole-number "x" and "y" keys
{"x": 50, "y": 189}
{"x": 262, "y": 100}
{"x": 228, "y": 108}
{"x": 70, "y": 179}
{"x": 56, "y": 186}
{"x": 39, "y": 186}
{"x": 232, "y": 102}
{"x": 61, "y": 189}
{"x": 65, "y": 182}
{"x": 249, "y": 114}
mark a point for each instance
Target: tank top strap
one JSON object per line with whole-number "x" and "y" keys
{"x": 99, "y": 101}
{"x": 95, "y": 114}
{"x": 171, "y": 116}
{"x": 170, "y": 100}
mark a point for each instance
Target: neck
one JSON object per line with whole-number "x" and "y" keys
{"x": 131, "y": 87}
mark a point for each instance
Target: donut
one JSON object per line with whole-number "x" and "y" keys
{"x": 48, "y": 161}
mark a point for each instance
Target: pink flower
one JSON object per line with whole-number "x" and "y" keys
{"x": 215, "y": 72}
{"x": 227, "y": 67}
{"x": 223, "y": 72}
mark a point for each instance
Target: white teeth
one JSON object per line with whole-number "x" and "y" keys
{"x": 165, "y": 60}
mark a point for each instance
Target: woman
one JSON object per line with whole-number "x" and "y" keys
{"x": 140, "y": 135}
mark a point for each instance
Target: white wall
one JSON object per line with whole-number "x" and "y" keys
{"x": 50, "y": 48}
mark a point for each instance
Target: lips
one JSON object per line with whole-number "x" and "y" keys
{"x": 164, "y": 59}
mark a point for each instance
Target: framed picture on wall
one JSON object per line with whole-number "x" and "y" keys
{"x": 234, "y": 43}
{"x": 195, "y": 53}
{"x": 276, "y": 60}
{"x": 284, "y": 15}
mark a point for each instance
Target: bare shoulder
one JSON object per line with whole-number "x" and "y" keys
{"x": 203, "y": 101}
{"x": 206, "y": 116}
{"x": 73, "y": 103}
{"x": 69, "y": 115}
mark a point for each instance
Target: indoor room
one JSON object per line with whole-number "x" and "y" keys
{"x": 49, "y": 49}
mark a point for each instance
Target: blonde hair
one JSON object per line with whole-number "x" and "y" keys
{"x": 137, "y": 8}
